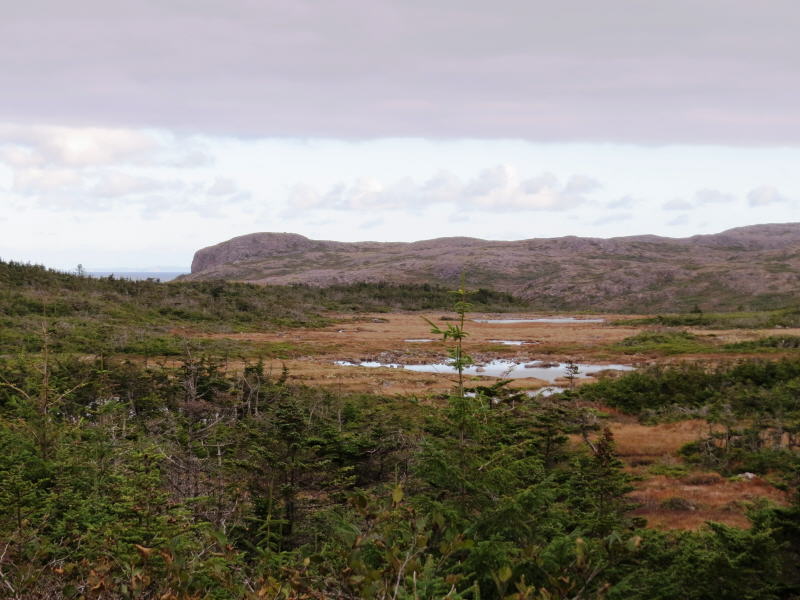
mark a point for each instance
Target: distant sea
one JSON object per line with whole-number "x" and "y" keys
{"x": 161, "y": 275}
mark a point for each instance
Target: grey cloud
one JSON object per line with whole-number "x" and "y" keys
{"x": 719, "y": 71}
{"x": 497, "y": 189}
{"x": 766, "y": 195}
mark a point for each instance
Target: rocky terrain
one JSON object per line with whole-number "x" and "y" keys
{"x": 745, "y": 268}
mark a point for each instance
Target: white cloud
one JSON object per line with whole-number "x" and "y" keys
{"x": 766, "y": 195}
{"x": 371, "y": 223}
{"x": 708, "y": 196}
{"x": 115, "y": 184}
{"x": 36, "y": 180}
{"x": 612, "y": 218}
{"x": 677, "y": 204}
{"x": 222, "y": 186}
{"x": 624, "y": 202}
{"x": 497, "y": 188}
{"x": 96, "y": 169}
{"x": 41, "y": 146}
{"x": 582, "y": 184}
{"x": 700, "y": 199}
{"x": 679, "y": 220}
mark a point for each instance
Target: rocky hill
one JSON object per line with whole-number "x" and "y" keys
{"x": 747, "y": 267}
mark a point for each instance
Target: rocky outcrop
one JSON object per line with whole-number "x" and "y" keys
{"x": 747, "y": 267}
{"x": 253, "y": 246}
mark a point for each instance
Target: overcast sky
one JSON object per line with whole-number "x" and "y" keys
{"x": 133, "y": 133}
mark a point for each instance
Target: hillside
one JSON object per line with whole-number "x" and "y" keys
{"x": 751, "y": 267}
{"x": 115, "y": 315}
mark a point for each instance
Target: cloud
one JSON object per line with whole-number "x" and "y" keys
{"x": 51, "y": 186}
{"x": 765, "y": 196}
{"x": 223, "y": 186}
{"x": 700, "y": 198}
{"x": 59, "y": 189}
{"x": 35, "y": 180}
{"x": 497, "y": 188}
{"x": 73, "y": 147}
{"x": 677, "y": 204}
{"x": 624, "y": 202}
{"x": 613, "y": 218}
{"x": 371, "y": 223}
{"x": 707, "y": 196}
{"x": 39, "y": 146}
{"x": 715, "y": 72}
{"x": 679, "y": 220}
{"x": 97, "y": 169}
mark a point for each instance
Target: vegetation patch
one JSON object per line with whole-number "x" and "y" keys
{"x": 777, "y": 342}
{"x": 121, "y": 316}
{"x": 786, "y": 317}
{"x": 663, "y": 341}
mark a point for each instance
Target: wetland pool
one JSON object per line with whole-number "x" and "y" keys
{"x": 507, "y": 369}
{"x": 539, "y": 320}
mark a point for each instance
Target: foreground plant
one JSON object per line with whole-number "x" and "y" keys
{"x": 455, "y": 332}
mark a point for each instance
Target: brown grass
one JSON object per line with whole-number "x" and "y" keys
{"x": 686, "y": 502}
{"x": 635, "y": 440}
{"x": 712, "y": 498}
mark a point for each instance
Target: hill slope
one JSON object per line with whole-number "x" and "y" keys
{"x": 748, "y": 267}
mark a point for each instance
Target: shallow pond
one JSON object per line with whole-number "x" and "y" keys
{"x": 499, "y": 368}
{"x": 545, "y": 391}
{"x": 540, "y": 320}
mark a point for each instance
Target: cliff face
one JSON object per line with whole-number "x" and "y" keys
{"x": 757, "y": 266}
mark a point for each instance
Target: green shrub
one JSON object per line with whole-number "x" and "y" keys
{"x": 663, "y": 342}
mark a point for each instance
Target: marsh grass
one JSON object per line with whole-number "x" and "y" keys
{"x": 664, "y": 341}
{"x": 764, "y": 319}
{"x": 773, "y": 342}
